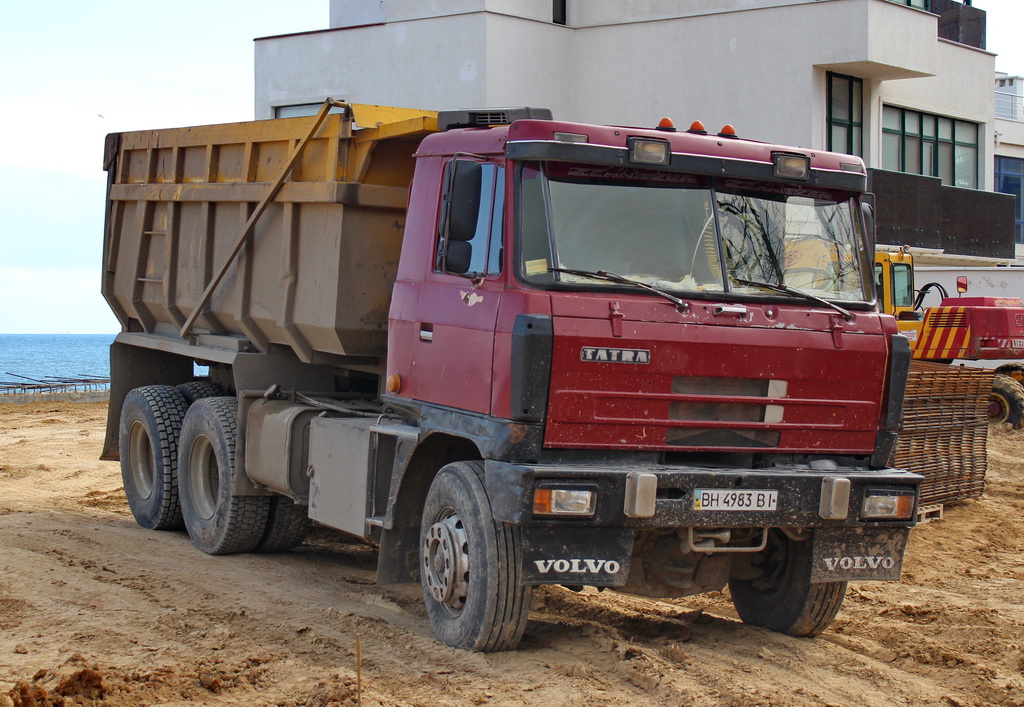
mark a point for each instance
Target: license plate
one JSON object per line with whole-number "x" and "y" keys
{"x": 735, "y": 500}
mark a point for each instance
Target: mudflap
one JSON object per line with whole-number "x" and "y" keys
{"x": 858, "y": 554}
{"x": 576, "y": 556}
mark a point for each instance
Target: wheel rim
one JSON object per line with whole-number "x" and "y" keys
{"x": 203, "y": 478}
{"x": 998, "y": 408}
{"x": 446, "y": 561}
{"x": 140, "y": 452}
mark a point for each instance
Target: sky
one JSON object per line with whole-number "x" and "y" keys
{"x": 74, "y": 70}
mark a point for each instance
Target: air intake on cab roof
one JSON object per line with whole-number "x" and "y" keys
{"x": 484, "y": 117}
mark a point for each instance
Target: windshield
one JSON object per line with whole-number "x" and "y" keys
{"x": 684, "y": 232}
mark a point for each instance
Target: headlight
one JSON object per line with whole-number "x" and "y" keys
{"x": 888, "y": 504}
{"x": 643, "y": 151}
{"x": 553, "y": 501}
{"x": 790, "y": 166}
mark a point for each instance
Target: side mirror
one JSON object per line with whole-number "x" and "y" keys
{"x": 961, "y": 284}
{"x": 458, "y": 257}
{"x": 869, "y": 223}
{"x": 463, "y": 201}
{"x": 460, "y": 215}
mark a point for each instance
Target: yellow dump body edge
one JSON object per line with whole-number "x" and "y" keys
{"x": 316, "y": 273}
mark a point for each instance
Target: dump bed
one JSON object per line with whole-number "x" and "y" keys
{"x": 190, "y": 252}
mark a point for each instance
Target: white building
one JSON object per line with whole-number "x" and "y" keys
{"x": 871, "y": 77}
{"x": 1009, "y": 146}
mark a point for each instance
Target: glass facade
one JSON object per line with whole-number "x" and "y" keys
{"x": 932, "y": 145}
{"x": 1010, "y": 180}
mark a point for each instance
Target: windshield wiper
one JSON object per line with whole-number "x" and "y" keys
{"x": 786, "y": 289}
{"x": 623, "y": 280}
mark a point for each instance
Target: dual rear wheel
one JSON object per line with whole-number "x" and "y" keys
{"x": 178, "y": 468}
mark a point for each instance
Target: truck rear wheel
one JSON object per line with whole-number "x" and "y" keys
{"x": 1006, "y": 402}
{"x": 196, "y": 390}
{"x": 287, "y": 525}
{"x": 218, "y": 521}
{"x": 470, "y": 565}
{"x": 784, "y": 599}
{"x": 151, "y": 419}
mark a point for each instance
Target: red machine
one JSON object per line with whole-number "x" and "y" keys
{"x": 968, "y": 328}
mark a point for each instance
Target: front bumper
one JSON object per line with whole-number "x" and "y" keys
{"x": 599, "y": 550}
{"x": 510, "y": 488}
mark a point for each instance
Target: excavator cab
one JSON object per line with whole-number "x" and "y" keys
{"x": 894, "y": 281}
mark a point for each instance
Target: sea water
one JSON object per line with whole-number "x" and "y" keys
{"x": 38, "y": 356}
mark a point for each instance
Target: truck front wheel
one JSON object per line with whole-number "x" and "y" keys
{"x": 218, "y": 521}
{"x": 151, "y": 419}
{"x": 783, "y": 599}
{"x": 470, "y": 565}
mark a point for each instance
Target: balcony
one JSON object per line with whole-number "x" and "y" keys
{"x": 959, "y": 22}
{"x": 921, "y": 212}
{"x": 1010, "y": 106}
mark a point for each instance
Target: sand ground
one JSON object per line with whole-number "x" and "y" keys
{"x": 97, "y": 611}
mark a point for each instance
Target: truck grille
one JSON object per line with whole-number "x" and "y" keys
{"x": 725, "y": 409}
{"x": 697, "y": 437}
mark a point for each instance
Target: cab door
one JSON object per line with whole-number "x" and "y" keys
{"x": 450, "y": 356}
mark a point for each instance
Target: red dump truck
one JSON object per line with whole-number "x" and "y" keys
{"x": 510, "y": 352}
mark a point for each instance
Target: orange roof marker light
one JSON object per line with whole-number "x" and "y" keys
{"x": 697, "y": 127}
{"x": 666, "y": 124}
{"x": 728, "y": 131}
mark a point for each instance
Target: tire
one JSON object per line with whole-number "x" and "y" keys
{"x": 470, "y": 565}
{"x": 287, "y": 525}
{"x": 196, "y": 390}
{"x": 151, "y": 419}
{"x": 1006, "y": 402}
{"x": 784, "y": 599}
{"x": 219, "y": 522}
{"x": 1014, "y": 370}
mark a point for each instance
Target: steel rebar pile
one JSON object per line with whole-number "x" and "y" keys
{"x": 945, "y": 431}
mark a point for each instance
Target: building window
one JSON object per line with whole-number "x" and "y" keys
{"x": 921, "y": 4}
{"x": 302, "y": 109}
{"x": 932, "y": 145}
{"x": 1010, "y": 180}
{"x": 560, "y": 13}
{"x": 845, "y": 114}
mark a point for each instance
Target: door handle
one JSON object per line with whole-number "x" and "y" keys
{"x": 737, "y": 309}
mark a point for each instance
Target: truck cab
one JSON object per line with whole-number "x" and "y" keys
{"x": 672, "y": 332}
